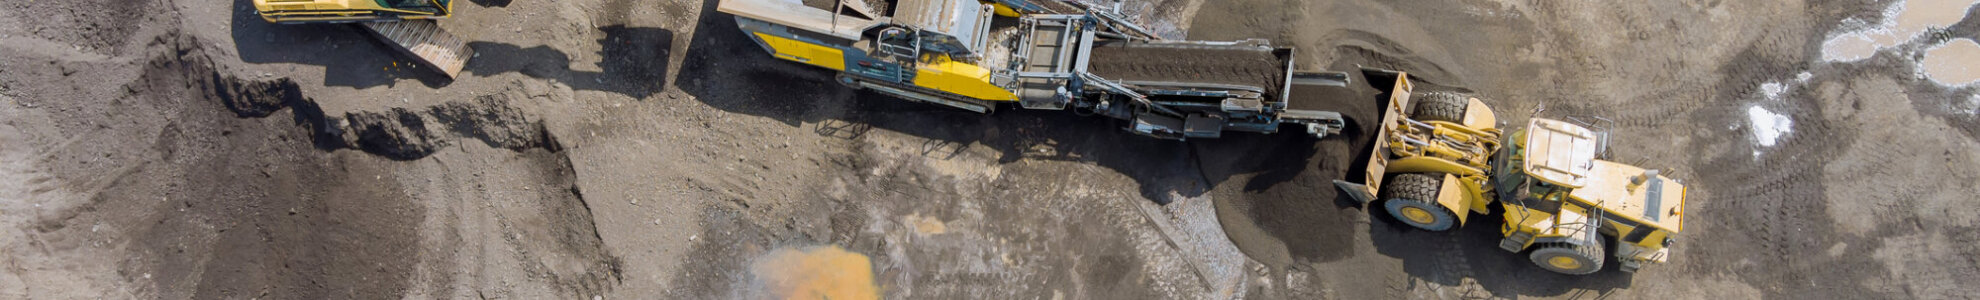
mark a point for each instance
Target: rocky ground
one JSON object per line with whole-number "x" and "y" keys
{"x": 646, "y": 149}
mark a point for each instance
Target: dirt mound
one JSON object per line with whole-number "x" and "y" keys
{"x": 216, "y": 211}
{"x": 255, "y": 99}
{"x": 398, "y": 133}
{"x": 491, "y": 119}
{"x": 405, "y": 134}
{"x": 253, "y": 207}
{"x": 94, "y": 24}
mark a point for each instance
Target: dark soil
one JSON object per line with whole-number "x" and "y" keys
{"x": 1245, "y": 66}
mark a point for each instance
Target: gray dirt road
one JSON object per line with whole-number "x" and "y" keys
{"x": 646, "y": 149}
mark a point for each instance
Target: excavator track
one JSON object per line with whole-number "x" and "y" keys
{"x": 425, "y": 40}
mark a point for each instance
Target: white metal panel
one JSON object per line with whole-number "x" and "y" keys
{"x": 1559, "y": 152}
{"x": 795, "y": 14}
{"x": 962, "y": 19}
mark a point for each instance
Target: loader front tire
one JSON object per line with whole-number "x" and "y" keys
{"x": 1568, "y": 258}
{"x": 1412, "y": 199}
{"x": 1441, "y": 106}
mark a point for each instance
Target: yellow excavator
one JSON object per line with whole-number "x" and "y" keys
{"x": 410, "y": 26}
{"x": 1438, "y": 158}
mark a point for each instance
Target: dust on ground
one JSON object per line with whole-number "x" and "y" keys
{"x": 645, "y": 148}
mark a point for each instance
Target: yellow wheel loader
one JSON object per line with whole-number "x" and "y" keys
{"x": 1439, "y": 157}
{"x": 408, "y": 25}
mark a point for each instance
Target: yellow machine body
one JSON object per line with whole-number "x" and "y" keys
{"x": 1554, "y": 160}
{"x": 954, "y": 77}
{"x": 1638, "y": 207}
{"x": 804, "y": 52}
{"x": 330, "y": 11}
{"x": 935, "y": 72}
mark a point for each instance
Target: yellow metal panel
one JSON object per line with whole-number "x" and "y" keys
{"x": 1684, "y": 195}
{"x": 961, "y": 79}
{"x": 1378, "y": 163}
{"x": 1006, "y": 11}
{"x": 1479, "y": 204}
{"x": 1454, "y": 197}
{"x": 803, "y": 52}
{"x": 1421, "y": 164}
{"x": 1525, "y": 219}
{"x": 1654, "y": 240}
{"x": 1478, "y": 115}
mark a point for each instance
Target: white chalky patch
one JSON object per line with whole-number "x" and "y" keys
{"x": 1768, "y": 127}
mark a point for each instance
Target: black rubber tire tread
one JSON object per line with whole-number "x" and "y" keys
{"x": 1440, "y": 106}
{"x": 1593, "y": 254}
{"x": 1420, "y": 188}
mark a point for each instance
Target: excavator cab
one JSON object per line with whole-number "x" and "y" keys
{"x": 345, "y": 11}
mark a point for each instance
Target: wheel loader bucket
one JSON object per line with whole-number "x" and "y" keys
{"x": 1395, "y": 84}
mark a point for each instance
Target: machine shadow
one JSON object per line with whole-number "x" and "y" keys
{"x": 724, "y": 69}
{"x": 1447, "y": 258}
{"x": 348, "y": 57}
{"x": 633, "y": 61}
{"x": 491, "y": 3}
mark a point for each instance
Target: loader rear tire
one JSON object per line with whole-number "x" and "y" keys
{"x": 1568, "y": 258}
{"x": 1441, "y": 106}
{"x": 1412, "y": 199}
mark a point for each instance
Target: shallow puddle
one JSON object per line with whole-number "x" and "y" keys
{"x": 1902, "y": 21}
{"x": 826, "y": 272}
{"x": 1955, "y": 63}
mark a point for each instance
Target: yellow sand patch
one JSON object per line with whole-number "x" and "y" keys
{"x": 926, "y": 225}
{"x": 827, "y": 272}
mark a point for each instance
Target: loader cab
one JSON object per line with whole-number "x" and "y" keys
{"x": 1550, "y": 169}
{"x": 1547, "y": 161}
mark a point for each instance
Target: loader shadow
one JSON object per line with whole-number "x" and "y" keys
{"x": 349, "y": 58}
{"x": 1447, "y": 258}
{"x": 726, "y": 70}
{"x": 632, "y": 61}
{"x": 1291, "y": 200}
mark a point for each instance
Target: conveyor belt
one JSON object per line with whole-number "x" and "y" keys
{"x": 1251, "y": 66}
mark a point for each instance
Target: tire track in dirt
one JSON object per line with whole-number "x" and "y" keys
{"x": 1761, "y": 211}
